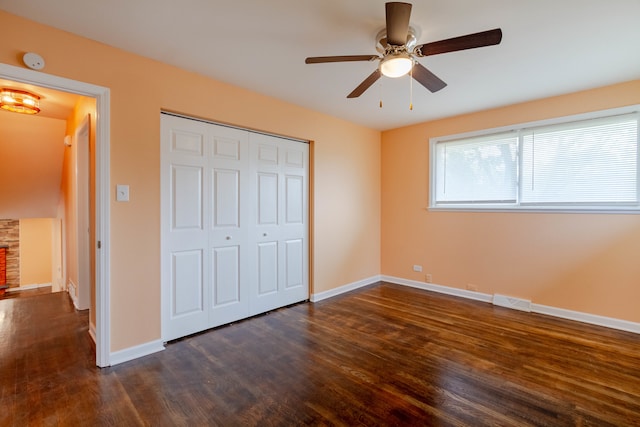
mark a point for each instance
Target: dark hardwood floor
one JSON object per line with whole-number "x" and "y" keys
{"x": 382, "y": 355}
{"x": 27, "y": 293}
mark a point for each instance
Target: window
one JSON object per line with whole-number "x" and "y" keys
{"x": 477, "y": 170}
{"x": 588, "y": 164}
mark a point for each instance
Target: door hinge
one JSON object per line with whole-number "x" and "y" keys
{"x": 99, "y": 244}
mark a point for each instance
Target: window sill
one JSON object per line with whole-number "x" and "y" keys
{"x": 543, "y": 209}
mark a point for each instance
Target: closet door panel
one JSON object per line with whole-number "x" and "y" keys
{"x": 279, "y": 170}
{"x": 294, "y": 250}
{"x": 187, "y": 283}
{"x": 267, "y": 268}
{"x": 228, "y": 161}
{"x": 226, "y": 276}
{"x": 184, "y": 237}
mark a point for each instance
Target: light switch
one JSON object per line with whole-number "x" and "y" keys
{"x": 122, "y": 193}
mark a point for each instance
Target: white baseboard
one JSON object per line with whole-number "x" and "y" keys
{"x": 135, "y": 352}
{"x": 593, "y": 319}
{"x": 477, "y": 296}
{"x": 71, "y": 290}
{"x": 92, "y": 332}
{"x": 28, "y": 287}
{"x": 345, "y": 288}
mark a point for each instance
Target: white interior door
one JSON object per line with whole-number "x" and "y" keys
{"x": 228, "y": 219}
{"x": 234, "y": 224}
{"x": 185, "y": 244}
{"x": 279, "y": 232}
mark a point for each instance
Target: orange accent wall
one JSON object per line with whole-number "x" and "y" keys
{"x": 581, "y": 262}
{"x": 30, "y": 143}
{"x": 345, "y": 178}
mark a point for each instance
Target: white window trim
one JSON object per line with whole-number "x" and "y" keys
{"x": 517, "y": 207}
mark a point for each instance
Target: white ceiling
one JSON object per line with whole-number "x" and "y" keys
{"x": 549, "y": 47}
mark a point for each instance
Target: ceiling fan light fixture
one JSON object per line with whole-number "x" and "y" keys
{"x": 19, "y": 101}
{"x": 396, "y": 65}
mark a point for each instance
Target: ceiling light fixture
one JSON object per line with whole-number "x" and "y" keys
{"x": 396, "y": 65}
{"x": 19, "y": 101}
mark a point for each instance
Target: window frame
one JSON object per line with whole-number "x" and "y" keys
{"x": 518, "y": 206}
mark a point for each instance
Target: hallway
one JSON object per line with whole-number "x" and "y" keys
{"x": 44, "y": 343}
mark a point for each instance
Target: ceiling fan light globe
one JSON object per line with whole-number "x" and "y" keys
{"x": 396, "y": 65}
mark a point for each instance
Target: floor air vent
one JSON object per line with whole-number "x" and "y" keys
{"x": 511, "y": 302}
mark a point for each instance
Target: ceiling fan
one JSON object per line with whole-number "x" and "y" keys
{"x": 398, "y": 50}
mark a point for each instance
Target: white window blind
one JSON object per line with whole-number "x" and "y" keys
{"x": 479, "y": 170}
{"x": 593, "y": 162}
{"x": 587, "y": 164}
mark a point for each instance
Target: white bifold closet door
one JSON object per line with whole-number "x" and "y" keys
{"x": 234, "y": 224}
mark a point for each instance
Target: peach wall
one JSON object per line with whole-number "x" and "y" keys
{"x": 36, "y": 251}
{"x": 346, "y": 169}
{"x": 582, "y": 262}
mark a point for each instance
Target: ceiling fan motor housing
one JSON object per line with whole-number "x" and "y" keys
{"x": 382, "y": 45}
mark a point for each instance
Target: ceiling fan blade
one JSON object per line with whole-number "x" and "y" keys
{"x": 346, "y": 58}
{"x": 366, "y": 84}
{"x": 398, "y": 15}
{"x": 426, "y": 78}
{"x": 470, "y": 41}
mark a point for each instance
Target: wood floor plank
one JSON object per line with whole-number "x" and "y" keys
{"x": 381, "y": 355}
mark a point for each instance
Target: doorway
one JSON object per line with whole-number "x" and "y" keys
{"x": 101, "y": 191}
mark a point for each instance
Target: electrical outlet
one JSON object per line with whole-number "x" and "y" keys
{"x": 427, "y": 278}
{"x": 472, "y": 287}
{"x": 417, "y": 268}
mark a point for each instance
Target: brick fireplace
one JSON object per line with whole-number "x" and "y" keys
{"x": 3, "y": 269}
{"x": 10, "y": 251}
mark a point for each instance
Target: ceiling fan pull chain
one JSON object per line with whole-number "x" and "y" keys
{"x": 380, "y": 94}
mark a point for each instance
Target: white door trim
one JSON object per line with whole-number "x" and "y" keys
{"x": 102, "y": 96}
{"x": 82, "y": 173}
